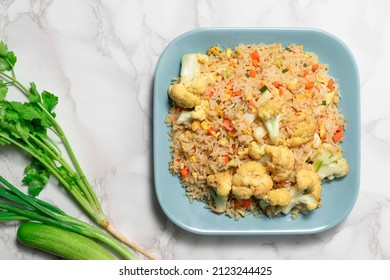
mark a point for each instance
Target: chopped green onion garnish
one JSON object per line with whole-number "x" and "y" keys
{"x": 324, "y": 102}
{"x": 317, "y": 165}
{"x": 287, "y": 49}
{"x": 247, "y": 74}
{"x": 284, "y": 70}
{"x": 304, "y": 65}
{"x": 263, "y": 89}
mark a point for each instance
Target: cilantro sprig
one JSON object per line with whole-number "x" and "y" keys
{"x": 31, "y": 126}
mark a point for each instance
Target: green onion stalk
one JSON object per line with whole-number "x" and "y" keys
{"x": 17, "y": 206}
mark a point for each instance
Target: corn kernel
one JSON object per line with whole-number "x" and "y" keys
{"x": 195, "y": 125}
{"x": 213, "y": 133}
{"x": 193, "y": 159}
{"x": 309, "y": 94}
{"x": 220, "y": 112}
{"x": 228, "y": 52}
{"x": 205, "y": 125}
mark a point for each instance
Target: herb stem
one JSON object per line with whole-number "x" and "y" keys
{"x": 97, "y": 216}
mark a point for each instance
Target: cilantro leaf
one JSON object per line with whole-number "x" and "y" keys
{"x": 34, "y": 95}
{"x": 7, "y": 58}
{"x": 36, "y": 177}
{"x": 25, "y": 110}
{"x": 3, "y": 90}
{"x": 49, "y": 100}
{"x": 3, "y": 49}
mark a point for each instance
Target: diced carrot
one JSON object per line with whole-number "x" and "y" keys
{"x": 255, "y": 62}
{"x": 314, "y": 67}
{"x": 255, "y": 55}
{"x": 246, "y": 203}
{"x": 276, "y": 84}
{"x": 252, "y": 73}
{"x": 184, "y": 172}
{"x": 304, "y": 73}
{"x": 232, "y": 132}
{"x": 227, "y": 123}
{"x": 330, "y": 85}
{"x": 280, "y": 92}
{"x": 338, "y": 136}
{"x": 234, "y": 147}
{"x": 339, "y": 128}
{"x": 309, "y": 85}
{"x": 211, "y": 94}
{"x": 251, "y": 102}
{"x": 226, "y": 159}
{"x": 237, "y": 203}
{"x": 237, "y": 92}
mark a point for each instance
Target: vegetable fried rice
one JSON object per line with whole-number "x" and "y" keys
{"x": 255, "y": 129}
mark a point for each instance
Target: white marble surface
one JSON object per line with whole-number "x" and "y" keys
{"x": 99, "y": 57}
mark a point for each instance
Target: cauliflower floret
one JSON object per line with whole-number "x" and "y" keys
{"x": 306, "y": 193}
{"x": 271, "y": 114}
{"x": 259, "y": 132}
{"x": 198, "y": 113}
{"x": 310, "y": 181}
{"x": 222, "y": 185}
{"x": 255, "y": 150}
{"x": 329, "y": 162}
{"x": 192, "y": 82}
{"x": 280, "y": 197}
{"x": 282, "y": 162}
{"x": 251, "y": 179}
{"x": 182, "y": 97}
{"x": 303, "y": 133}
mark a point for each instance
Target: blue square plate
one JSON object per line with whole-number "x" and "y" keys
{"x": 339, "y": 196}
